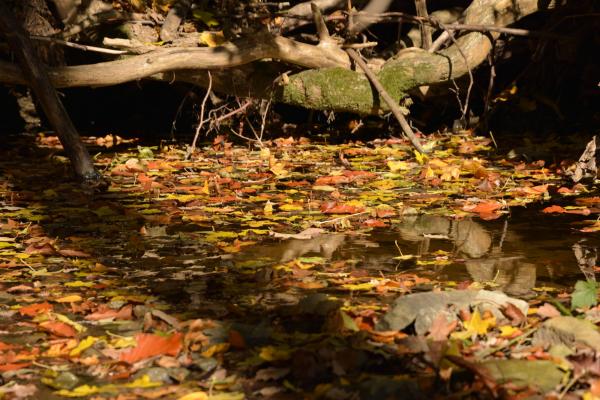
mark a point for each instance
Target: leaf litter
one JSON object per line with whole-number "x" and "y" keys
{"x": 217, "y": 278}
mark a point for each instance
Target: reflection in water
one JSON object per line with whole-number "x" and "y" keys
{"x": 513, "y": 254}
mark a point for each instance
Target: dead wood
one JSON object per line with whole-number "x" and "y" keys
{"x": 392, "y": 104}
{"x": 176, "y": 15}
{"x": 37, "y": 78}
{"x": 328, "y": 84}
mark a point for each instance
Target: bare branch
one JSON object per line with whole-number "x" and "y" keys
{"x": 201, "y": 122}
{"x": 388, "y": 99}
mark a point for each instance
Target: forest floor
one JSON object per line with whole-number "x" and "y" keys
{"x": 298, "y": 270}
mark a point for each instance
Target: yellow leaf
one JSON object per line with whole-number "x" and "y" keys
{"x": 194, "y": 396}
{"x": 205, "y": 17}
{"x": 359, "y": 286}
{"x": 421, "y": 158}
{"x": 214, "y": 349}
{"x": 395, "y": 166}
{"x": 79, "y": 391}
{"x": 291, "y": 207}
{"x": 507, "y": 331}
{"x": 182, "y": 198}
{"x": 218, "y": 236}
{"x": 83, "y": 345}
{"x": 268, "y": 210}
{"x": 478, "y": 325}
{"x": 74, "y": 298}
{"x": 272, "y": 353}
{"x": 140, "y": 383}
{"x": 212, "y": 39}
{"x": 77, "y": 284}
{"x": 123, "y": 342}
{"x": 205, "y": 188}
{"x": 63, "y": 318}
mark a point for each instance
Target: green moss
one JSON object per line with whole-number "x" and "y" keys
{"x": 343, "y": 90}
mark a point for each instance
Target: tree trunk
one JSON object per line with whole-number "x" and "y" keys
{"x": 37, "y": 78}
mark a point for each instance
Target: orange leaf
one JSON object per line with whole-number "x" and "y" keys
{"x": 14, "y": 366}
{"x": 149, "y": 345}
{"x": 374, "y": 223}
{"x": 33, "y": 309}
{"x": 6, "y": 346}
{"x": 486, "y": 207}
{"x": 332, "y": 180}
{"x": 335, "y": 208}
{"x": 58, "y": 328}
{"x": 554, "y": 209}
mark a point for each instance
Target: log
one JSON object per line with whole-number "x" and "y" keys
{"x": 329, "y": 84}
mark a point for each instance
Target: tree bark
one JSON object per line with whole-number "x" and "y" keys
{"x": 37, "y": 78}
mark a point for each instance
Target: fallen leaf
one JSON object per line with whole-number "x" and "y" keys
{"x": 149, "y": 345}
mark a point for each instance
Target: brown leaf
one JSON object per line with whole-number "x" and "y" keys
{"x": 548, "y": 311}
{"x": 73, "y": 253}
{"x": 441, "y": 328}
{"x": 513, "y": 313}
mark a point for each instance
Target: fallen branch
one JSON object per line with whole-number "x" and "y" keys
{"x": 170, "y": 59}
{"x": 388, "y": 99}
{"x": 78, "y": 46}
{"x": 201, "y": 122}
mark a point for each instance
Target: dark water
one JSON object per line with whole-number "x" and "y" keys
{"x": 517, "y": 253}
{"x": 520, "y": 253}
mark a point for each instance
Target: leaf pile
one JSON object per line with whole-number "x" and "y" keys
{"x": 157, "y": 288}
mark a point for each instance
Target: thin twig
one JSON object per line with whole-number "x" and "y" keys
{"x": 331, "y": 221}
{"x": 234, "y": 112}
{"x": 462, "y": 27}
{"x": 242, "y": 136}
{"x": 77, "y": 46}
{"x": 359, "y": 45}
{"x": 465, "y": 108}
{"x": 263, "y": 123}
{"x": 193, "y": 148}
{"x": 421, "y": 7}
{"x": 388, "y": 99}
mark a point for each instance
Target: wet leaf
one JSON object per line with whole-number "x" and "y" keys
{"x": 58, "y": 329}
{"x": 33, "y": 309}
{"x": 149, "y": 345}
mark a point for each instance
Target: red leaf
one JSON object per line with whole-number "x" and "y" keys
{"x": 13, "y": 366}
{"x": 6, "y": 346}
{"x": 374, "y": 223}
{"x": 485, "y": 207}
{"x": 385, "y": 212}
{"x": 149, "y": 345}
{"x": 554, "y": 209}
{"x": 58, "y": 328}
{"x": 33, "y": 309}
{"x": 332, "y": 180}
